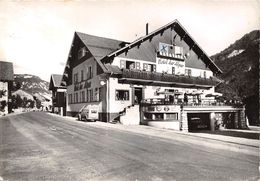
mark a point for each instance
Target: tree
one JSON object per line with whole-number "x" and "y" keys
{"x": 38, "y": 104}
{"x": 19, "y": 101}
{"x": 24, "y": 104}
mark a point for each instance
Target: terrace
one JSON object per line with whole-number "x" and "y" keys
{"x": 155, "y": 78}
{"x": 191, "y": 104}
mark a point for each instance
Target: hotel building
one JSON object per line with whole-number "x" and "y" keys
{"x": 162, "y": 79}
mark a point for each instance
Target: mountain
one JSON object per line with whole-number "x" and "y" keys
{"x": 240, "y": 65}
{"x": 31, "y": 85}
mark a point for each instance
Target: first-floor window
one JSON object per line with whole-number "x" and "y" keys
{"x": 173, "y": 116}
{"x": 204, "y": 74}
{"x": 89, "y": 95}
{"x": 76, "y": 98}
{"x": 100, "y": 94}
{"x": 83, "y": 96}
{"x": 122, "y": 95}
{"x": 70, "y": 99}
{"x": 96, "y": 94}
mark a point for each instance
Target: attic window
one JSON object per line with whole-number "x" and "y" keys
{"x": 82, "y": 52}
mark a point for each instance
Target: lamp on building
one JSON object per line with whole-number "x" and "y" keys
{"x": 102, "y": 82}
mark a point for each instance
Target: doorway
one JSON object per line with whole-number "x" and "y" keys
{"x": 198, "y": 121}
{"x": 138, "y": 95}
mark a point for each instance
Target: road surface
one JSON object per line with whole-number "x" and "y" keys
{"x": 41, "y": 146}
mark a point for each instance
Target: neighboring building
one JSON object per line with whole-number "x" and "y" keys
{"x": 6, "y": 82}
{"x": 58, "y": 95}
{"x": 162, "y": 79}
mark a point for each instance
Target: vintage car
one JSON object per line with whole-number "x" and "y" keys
{"x": 88, "y": 114}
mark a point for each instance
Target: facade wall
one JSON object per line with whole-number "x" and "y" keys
{"x": 91, "y": 91}
{"x": 118, "y": 105}
{"x": 147, "y": 51}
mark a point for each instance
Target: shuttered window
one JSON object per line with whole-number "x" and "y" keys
{"x": 145, "y": 66}
{"x": 154, "y": 68}
{"x": 122, "y": 64}
{"x": 173, "y": 70}
{"x": 138, "y": 65}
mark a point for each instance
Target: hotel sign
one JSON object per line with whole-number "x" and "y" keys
{"x": 178, "y": 64}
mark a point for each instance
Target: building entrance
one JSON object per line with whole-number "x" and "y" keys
{"x": 198, "y": 121}
{"x": 138, "y": 95}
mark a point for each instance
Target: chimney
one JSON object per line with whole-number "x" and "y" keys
{"x": 147, "y": 29}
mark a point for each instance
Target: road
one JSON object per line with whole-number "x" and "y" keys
{"x": 41, "y": 146}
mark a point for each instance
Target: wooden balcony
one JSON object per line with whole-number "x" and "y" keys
{"x": 160, "y": 79}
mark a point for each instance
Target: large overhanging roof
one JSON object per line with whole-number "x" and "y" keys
{"x": 185, "y": 36}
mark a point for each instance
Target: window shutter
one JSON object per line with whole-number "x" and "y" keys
{"x": 138, "y": 65}
{"x": 145, "y": 66}
{"x": 173, "y": 70}
{"x": 154, "y": 68}
{"x": 122, "y": 64}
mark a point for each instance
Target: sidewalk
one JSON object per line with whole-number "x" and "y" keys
{"x": 254, "y": 128}
{"x": 159, "y": 131}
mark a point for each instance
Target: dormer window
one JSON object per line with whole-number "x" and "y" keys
{"x": 82, "y": 52}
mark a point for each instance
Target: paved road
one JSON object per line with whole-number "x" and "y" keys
{"x": 40, "y": 146}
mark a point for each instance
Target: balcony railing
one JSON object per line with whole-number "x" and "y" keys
{"x": 169, "y": 78}
{"x": 162, "y": 101}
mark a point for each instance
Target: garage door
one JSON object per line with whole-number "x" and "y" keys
{"x": 198, "y": 121}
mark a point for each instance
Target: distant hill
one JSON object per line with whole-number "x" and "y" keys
{"x": 240, "y": 65}
{"x": 32, "y": 85}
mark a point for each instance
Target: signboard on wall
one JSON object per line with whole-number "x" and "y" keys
{"x": 162, "y": 61}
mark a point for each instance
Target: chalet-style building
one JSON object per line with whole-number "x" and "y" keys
{"x": 58, "y": 95}
{"x": 6, "y": 82}
{"x": 162, "y": 79}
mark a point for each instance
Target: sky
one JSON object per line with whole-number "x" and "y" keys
{"x": 36, "y": 35}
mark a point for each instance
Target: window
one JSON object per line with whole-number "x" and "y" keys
{"x": 204, "y": 74}
{"x": 149, "y": 67}
{"x": 130, "y": 65}
{"x": 89, "y": 95}
{"x": 122, "y": 64}
{"x": 153, "y": 68}
{"x": 122, "y": 95}
{"x": 164, "y": 48}
{"x": 75, "y": 78}
{"x": 173, "y": 70}
{"x": 173, "y": 116}
{"x": 90, "y": 73}
{"x": 178, "y": 50}
{"x": 158, "y": 116}
{"x": 138, "y": 66}
{"x": 82, "y": 75}
{"x": 70, "y": 99}
{"x": 96, "y": 94}
{"x": 86, "y": 96}
{"x": 82, "y": 52}
{"x": 82, "y": 96}
{"x": 100, "y": 94}
{"x": 188, "y": 72}
{"x": 76, "y": 98}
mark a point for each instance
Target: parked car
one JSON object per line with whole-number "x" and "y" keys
{"x": 88, "y": 114}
